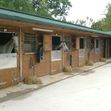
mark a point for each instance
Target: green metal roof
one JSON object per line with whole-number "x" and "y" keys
{"x": 24, "y": 17}
{"x": 109, "y": 32}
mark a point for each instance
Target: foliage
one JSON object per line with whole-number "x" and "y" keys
{"x": 53, "y": 8}
{"x": 21, "y": 5}
{"x": 97, "y": 25}
{"x": 86, "y": 22}
{"x": 48, "y": 8}
{"x": 105, "y": 23}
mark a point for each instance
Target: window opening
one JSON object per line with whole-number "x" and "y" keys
{"x": 82, "y": 43}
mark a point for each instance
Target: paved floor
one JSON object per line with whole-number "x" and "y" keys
{"x": 21, "y": 88}
{"x": 90, "y": 91}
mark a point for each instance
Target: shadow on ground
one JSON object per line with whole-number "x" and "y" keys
{"x": 24, "y": 96}
{"x": 87, "y": 73}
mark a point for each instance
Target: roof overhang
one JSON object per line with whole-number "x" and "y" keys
{"x": 28, "y": 18}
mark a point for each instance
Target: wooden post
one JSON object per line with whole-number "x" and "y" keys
{"x": 21, "y": 52}
{"x": 47, "y": 43}
{"x": 62, "y": 52}
{"x": 106, "y": 53}
{"x": 78, "y": 43}
{"x": 108, "y": 48}
{"x": 78, "y": 47}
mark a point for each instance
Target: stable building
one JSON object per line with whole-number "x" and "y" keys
{"x": 33, "y": 45}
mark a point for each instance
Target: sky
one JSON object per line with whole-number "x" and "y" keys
{"x": 94, "y": 9}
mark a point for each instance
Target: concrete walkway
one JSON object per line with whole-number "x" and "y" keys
{"x": 20, "y": 89}
{"x": 90, "y": 91}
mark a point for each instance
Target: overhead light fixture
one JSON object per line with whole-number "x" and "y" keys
{"x": 5, "y": 30}
{"x": 43, "y": 30}
{"x": 94, "y": 35}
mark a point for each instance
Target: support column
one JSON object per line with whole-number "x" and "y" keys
{"x": 21, "y": 52}
{"x": 108, "y": 49}
{"x": 105, "y": 48}
{"x": 78, "y": 47}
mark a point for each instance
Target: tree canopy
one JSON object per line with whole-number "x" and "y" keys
{"x": 105, "y": 23}
{"x": 57, "y": 9}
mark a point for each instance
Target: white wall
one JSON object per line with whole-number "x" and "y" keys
{"x": 8, "y": 60}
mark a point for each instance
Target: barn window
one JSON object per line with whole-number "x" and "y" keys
{"x": 97, "y": 43}
{"x": 90, "y": 43}
{"x": 74, "y": 42}
{"x": 56, "y": 41}
{"x": 68, "y": 42}
{"x": 29, "y": 42}
{"x": 8, "y": 50}
{"x": 82, "y": 43}
{"x": 56, "y": 48}
{"x": 8, "y": 42}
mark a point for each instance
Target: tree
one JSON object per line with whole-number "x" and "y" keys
{"x": 105, "y": 23}
{"x": 86, "y": 22}
{"x": 20, "y": 5}
{"x": 97, "y": 25}
{"x": 56, "y": 9}
{"x": 52, "y": 8}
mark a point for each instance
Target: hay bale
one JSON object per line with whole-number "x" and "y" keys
{"x": 102, "y": 60}
{"x": 89, "y": 63}
{"x": 32, "y": 80}
{"x": 67, "y": 69}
